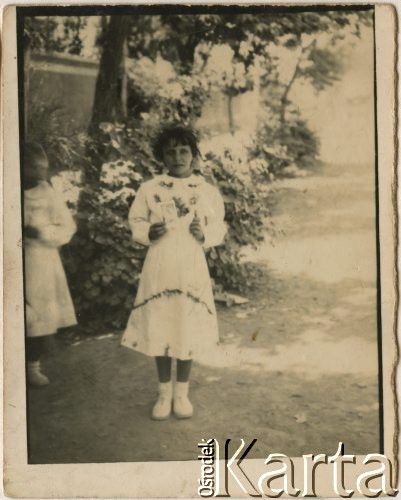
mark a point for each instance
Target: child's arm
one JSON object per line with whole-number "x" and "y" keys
{"x": 138, "y": 218}
{"x": 215, "y": 228}
{"x": 62, "y": 229}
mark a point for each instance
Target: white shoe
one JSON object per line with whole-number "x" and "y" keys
{"x": 182, "y": 405}
{"x": 162, "y": 408}
{"x": 35, "y": 376}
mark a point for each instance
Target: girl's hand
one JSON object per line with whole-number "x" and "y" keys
{"x": 196, "y": 230}
{"x": 31, "y": 232}
{"x": 157, "y": 230}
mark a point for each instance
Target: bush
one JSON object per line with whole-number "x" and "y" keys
{"x": 290, "y": 149}
{"x": 246, "y": 199}
{"x": 47, "y": 125}
{"x": 102, "y": 261}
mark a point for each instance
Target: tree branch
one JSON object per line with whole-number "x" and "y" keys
{"x": 287, "y": 89}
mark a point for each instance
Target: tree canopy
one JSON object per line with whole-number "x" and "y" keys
{"x": 188, "y": 40}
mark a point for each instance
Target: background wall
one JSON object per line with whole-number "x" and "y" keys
{"x": 68, "y": 82}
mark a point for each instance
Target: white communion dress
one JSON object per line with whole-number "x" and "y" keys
{"x": 47, "y": 297}
{"x": 174, "y": 312}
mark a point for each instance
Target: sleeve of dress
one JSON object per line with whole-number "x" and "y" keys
{"x": 62, "y": 228}
{"x": 215, "y": 228}
{"x": 139, "y": 218}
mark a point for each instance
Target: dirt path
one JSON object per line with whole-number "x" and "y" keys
{"x": 297, "y": 369}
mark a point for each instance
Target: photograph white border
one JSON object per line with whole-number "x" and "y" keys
{"x": 165, "y": 479}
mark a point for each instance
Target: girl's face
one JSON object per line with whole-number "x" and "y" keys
{"x": 36, "y": 171}
{"x": 178, "y": 159}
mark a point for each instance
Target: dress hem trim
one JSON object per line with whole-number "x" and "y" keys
{"x": 168, "y": 293}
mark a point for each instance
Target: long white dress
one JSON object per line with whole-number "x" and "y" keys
{"x": 174, "y": 312}
{"x": 47, "y": 297}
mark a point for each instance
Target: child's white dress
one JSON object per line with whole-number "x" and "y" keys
{"x": 174, "y": 312}
{"x": 48, "y": 300}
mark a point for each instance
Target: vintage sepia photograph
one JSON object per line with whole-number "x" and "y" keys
{"x": 200, "y": 221}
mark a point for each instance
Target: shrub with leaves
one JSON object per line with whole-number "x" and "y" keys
{"x": 47, "y": 125}
{"x": 102, "y": 261}
{"x": 290, "y": 149}
{"x": 246, "y": 199}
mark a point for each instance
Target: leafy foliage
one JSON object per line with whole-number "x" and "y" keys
{"x": 167, "y": 97}
{"x": 290, "y": 149}
{"x": 53, "y": 34}
{"x": 246, "y": 199}
{"x": 324, "y": 69}
{"x": 102, "y": 261}
{"x": 64, "y": 145}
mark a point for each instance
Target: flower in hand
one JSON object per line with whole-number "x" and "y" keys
{"x": 157, "y": 230}
{"x": 196, "y": 230}
{"x": 31, "y": 232}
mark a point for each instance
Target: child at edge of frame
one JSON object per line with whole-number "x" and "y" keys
{"x": 177, "y": 215}
{"x": 48, "y": 224}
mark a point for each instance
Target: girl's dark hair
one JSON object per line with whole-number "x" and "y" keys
{"x": 33, "y": 151}
{"x": 177, "y": 134}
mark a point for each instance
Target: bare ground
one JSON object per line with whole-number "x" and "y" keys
{"x": 298, "y": 365}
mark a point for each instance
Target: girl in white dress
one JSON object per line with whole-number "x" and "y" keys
{"x": 177, "y": 215}
{"x": 48, "y": 225}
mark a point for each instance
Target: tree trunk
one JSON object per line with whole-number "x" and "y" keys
{"x": 231, "y": 123}
{"x": 124, "y": 82}
{"x": 27, "y": 78}
{"x": 107, "y": 102}
{"x": 284, "y": 97}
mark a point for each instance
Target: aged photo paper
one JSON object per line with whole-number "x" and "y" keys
{"x": 200, "y": 279}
